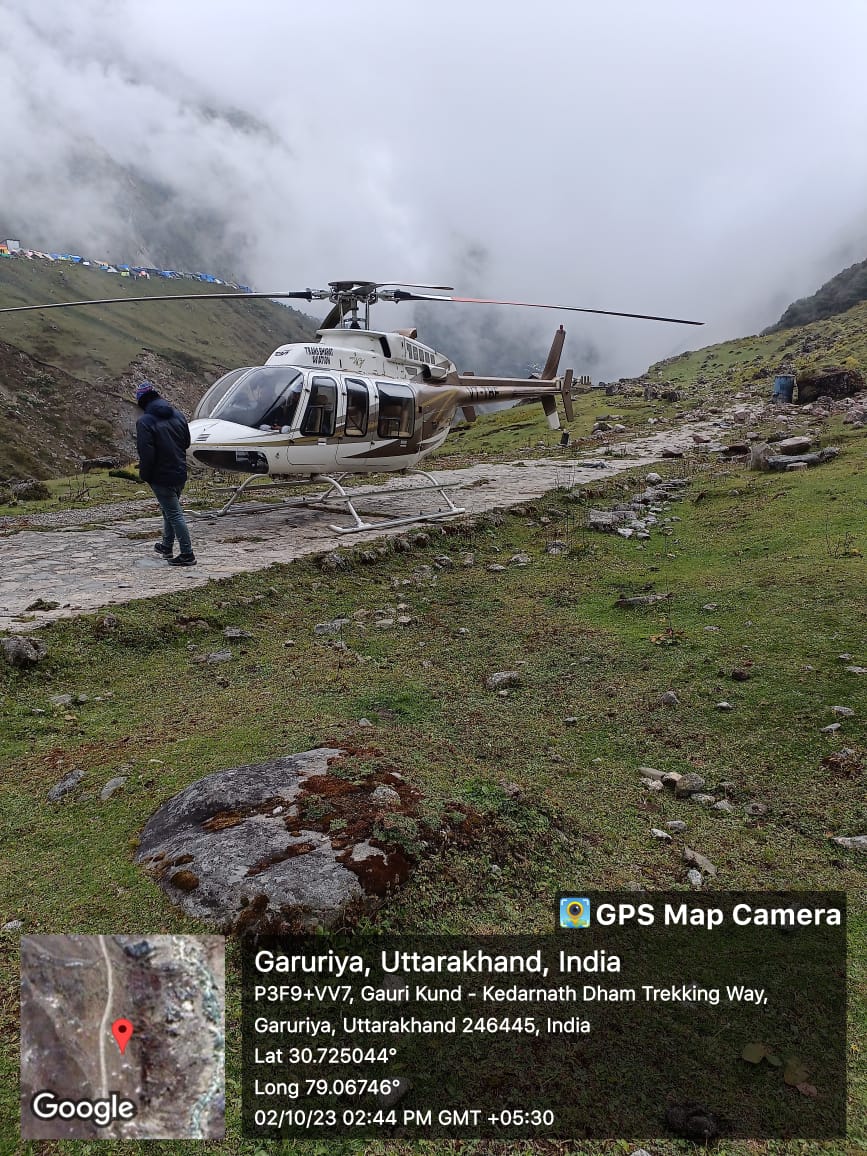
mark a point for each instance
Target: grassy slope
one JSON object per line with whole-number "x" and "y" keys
{"x": 733, "y": 364}
{"x": 765, "y": 548}
{"x": 102, "y": 341}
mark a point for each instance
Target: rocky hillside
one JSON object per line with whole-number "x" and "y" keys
{"x": 835, "y": 296}
{"x": 748, "y": 365}
{"x": 67, "y": 376}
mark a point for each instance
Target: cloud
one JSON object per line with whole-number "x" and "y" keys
{"x": 669, "y": 158}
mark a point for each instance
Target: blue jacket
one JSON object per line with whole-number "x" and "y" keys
{"x": 162, "y": 437}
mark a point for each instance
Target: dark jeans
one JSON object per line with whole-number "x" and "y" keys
{"x": 174, "y": 524}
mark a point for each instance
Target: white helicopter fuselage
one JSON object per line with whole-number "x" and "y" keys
{"x": 347, "y": 408}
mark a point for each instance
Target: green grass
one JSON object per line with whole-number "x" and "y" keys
{"x": 763, "y": 547}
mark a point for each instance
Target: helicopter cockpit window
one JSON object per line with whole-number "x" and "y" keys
{"x": 264, "y": 398}
{"x": 357, "y": 403}
{"x": 218, "y": 391}
{"x": 319, "y": 417}
{"x": 396, "y": 411}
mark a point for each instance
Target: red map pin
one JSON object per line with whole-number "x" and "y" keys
{"x": 122, "y": 1031}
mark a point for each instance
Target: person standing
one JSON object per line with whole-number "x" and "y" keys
{"x": 162, "y": 437}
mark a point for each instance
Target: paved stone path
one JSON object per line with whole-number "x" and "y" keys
{"x": 85, "y": 570}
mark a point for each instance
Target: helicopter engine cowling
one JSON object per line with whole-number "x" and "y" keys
{"x": 434, "y": 372}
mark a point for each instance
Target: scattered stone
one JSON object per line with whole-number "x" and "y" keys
{"x": 443, "y": 562}
{"x": 571, "y": 721}
{"x": 495, "y": 568}
{"x": 652, "y": 478}
{"x": 657, "y": 834}
{"x": 502, "y": 679}
{"x": 219, "y": 656}
{"x": 669, "y": 698}
{"x": 845, "y": 657}
{"x": 22, "y": 652}
{"x": 676, "y": 825}
{"x": 13, "y": 925}
{"x": 60, "y": 699}
{"x": 795, "y": 445}
{"x": 853, "y": 843}
{"x": 652, "y": 784}
{"x": 236, "y": 632}
{"x": 756, "y": 810}
{"x": 385, "y": 796}
{"x": 365, "y": 722}
{"x": 740, "y": 675}
{"x": 696, "y": 859}
{"x": 856, "y": 669}
{"x": 689, "y": 784}
{"x": 624, "y": 603}
{"x": 671, "y": 778}
{"x": 694, "y": 878}
{"x": 710, "y": 606}
{"x": 67, "y": 784}
{"x": 843, "y": 711}
{"x": 702, "y": 799}
{"x": 519, "y": 560}
{"x": 724, "y": 706}
{"x": 111, "y": 787}
{"x": 557, "y": 547}
{"x": 334, "y": 561}
{"x": 332, "y": 627}
{"x": 652, "y": 773}
{"x": 831, "y": 729}
{"x": 724, "y": 805}
{"x": 624, "y": 531}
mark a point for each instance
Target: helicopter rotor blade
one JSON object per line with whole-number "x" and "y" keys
{"x": 301, "y": 295}
{"x": 399, "y": 295}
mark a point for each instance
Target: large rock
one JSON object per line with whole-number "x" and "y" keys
{"x": 256, "y": 841}
{"x": 22, "y": 652}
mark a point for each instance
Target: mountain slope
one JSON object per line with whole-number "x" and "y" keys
{"x": 753, "y": 361}
{"x": 67, "y": 375}
{"x": 844, "y": 290}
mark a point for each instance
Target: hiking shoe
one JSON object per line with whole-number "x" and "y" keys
{"x": 166, "y": 551}
{"x": 183, "y": 560}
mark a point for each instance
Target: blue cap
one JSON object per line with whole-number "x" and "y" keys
{"x": 143, "y": 390}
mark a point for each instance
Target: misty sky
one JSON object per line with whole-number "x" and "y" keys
{"x": 701, "y": 160}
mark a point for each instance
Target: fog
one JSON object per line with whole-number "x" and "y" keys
{"x": 695, "y": 160}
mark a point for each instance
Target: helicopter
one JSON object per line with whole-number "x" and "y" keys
{"x": 354, "y": 401}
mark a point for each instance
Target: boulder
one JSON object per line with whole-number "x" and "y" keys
{"x": 251, "y": 847}
{"x": 22, "y": 652}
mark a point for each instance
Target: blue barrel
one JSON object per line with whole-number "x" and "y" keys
{"x": 784, "y": 387}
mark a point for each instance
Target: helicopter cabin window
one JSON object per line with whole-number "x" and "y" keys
{"x": 357, "y": 403}
{"x": 265, "y": 398}
{"x": 319, "y": 417}
{"x": 396, "y": 410}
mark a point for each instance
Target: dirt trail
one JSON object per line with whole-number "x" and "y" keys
{"x": 85, "y": 570}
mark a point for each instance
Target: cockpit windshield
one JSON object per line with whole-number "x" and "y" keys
{"x": 265, "y": 398}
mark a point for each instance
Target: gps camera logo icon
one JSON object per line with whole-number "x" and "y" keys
{"x": 574, "y": 912}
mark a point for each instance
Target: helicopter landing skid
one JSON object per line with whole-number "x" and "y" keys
{"x": 348, "y": 501}
{"x": 337, "y": 494}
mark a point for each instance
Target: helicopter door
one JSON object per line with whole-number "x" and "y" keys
{"x": 315, "y": 443}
